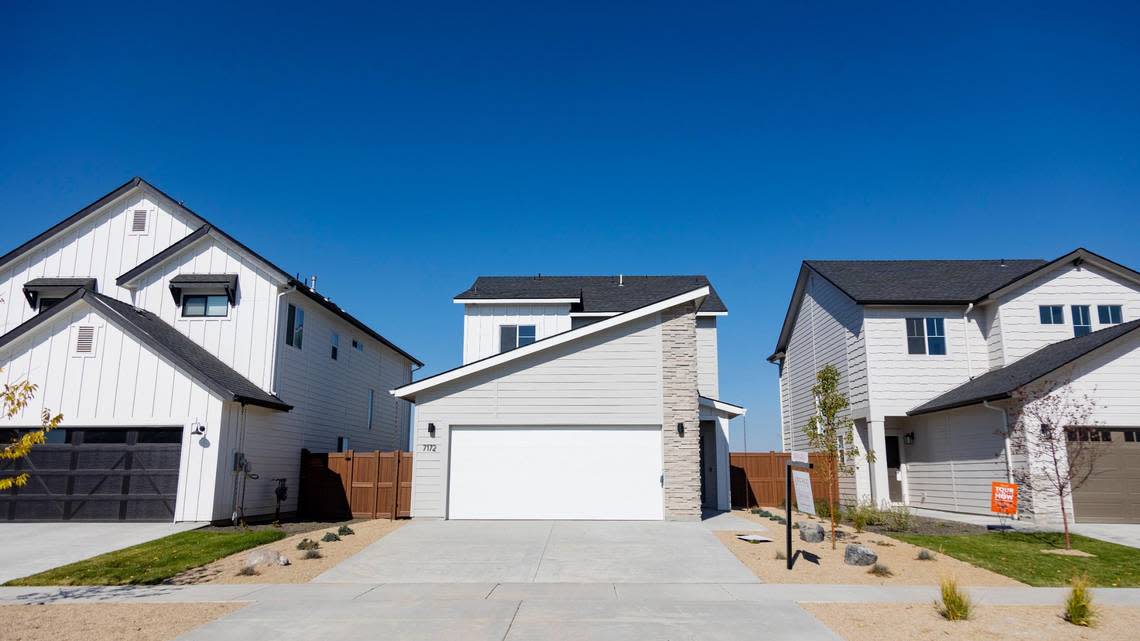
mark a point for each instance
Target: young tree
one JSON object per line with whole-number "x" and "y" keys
{"x": 1053, "y": 428}
{"x": 14, "y": 399}
{"x": 831, "y": 433}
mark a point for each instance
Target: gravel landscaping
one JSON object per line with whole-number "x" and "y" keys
{"x": 107, "y": 621}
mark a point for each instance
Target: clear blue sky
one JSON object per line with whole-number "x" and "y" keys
{"x": 399, "y": 152}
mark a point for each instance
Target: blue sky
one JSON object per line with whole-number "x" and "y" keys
{"x": 397, "y": 152}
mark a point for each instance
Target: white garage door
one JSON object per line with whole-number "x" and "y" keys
{"x": 555, "y": 473}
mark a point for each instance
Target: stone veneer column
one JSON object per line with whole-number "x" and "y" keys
{"x": 682, "y": 491}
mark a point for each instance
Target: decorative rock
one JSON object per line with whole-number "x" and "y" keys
{"x": 859, "y": 555}
{"x": 811, "y": 532}
{"x": 265, "y": 557}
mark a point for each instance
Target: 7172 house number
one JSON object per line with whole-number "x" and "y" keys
{"x": 427, "y": 447}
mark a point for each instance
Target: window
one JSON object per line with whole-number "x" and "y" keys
{"x": 357, "y": 345}
{"x": 926, "y": 336}
{"x": 160, "y": 435}
{"x": 84, "y": 340}
{"x": 512, "y": 336}
{"x": 210, "y": 306}
{"x": 294, "y": 326}
{"x": 371, "y": 399}
{"x": 1052, "y": 315}
{"x": 1082, "y": 324}
{"x": 1110, "y": 314}
{"x": 335, "y": 345}
{"x": 139, "y": 219}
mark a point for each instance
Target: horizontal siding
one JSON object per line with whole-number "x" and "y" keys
{"x": 1022, "y": 331}
{"x": 481, "y": 325}
{"x": 827, "y": 331}
{"x": 707, "y": 377}
{"x": 955, "y": 457}
{"x": 610, "y": 378}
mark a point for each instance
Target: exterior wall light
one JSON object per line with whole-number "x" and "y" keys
{"x": 681, "y": 430}
{"x": 431, "y": 430}
{"x": 908, "y": 438}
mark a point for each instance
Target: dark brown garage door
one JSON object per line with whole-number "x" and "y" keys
{"x": 1112, "y": 493}
{"x": 97, "y": 475}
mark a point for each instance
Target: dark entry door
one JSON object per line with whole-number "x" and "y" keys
{"x": 97, "y": 474}
{"x": 894, "y": 465}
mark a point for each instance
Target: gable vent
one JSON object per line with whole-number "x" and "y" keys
{"x": 85, "y": 340}
{"x": 138, "y": 221}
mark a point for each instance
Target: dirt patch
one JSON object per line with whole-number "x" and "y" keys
{"x": 1064, "y": 552}
{"x": 898, "y": 556}
{"x": 934, "y": 527}
{"x": 288, "y": 527}
{"x": 107, "y": 621}
{"x": 920, "y": 622}
{"x": 300, "y": 570}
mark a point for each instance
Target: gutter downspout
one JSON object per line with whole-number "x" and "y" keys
{"x": 1005, "y": 435}
{"x": 276, "y": 325}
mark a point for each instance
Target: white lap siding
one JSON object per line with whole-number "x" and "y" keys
{"x": 955, "y": 457}
{"x": 610, "y": 378}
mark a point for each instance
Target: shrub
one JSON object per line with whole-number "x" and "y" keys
{"x": 926, "y": 555}
{"x": 344, "y": 530}
{"x": 311, "y": 554}
{"x": 955, "y": 604}
{"x": 861, "y": 516}
{"x": 822, "y": 509}
{"x": 308, "y": 544}
{"x": 1079, "y": 609}
{"x": 780, "y": 556}
{"x": 329, "y": 537}
{"x": 898, "y": 519}
{"x": 248, "y": 570}
{"x": 879, "y": 569}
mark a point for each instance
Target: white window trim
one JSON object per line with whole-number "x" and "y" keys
{"x": 926, "y": 338}
{"x": 1065, "y": 316}
{"x": 182, "y": 302}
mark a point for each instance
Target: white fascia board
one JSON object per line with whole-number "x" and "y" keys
{"x": 712, "y": 313}
{"x": 515, "y": 301}
{"x": 411, "y": 389}
{"x": 593, "y": 314}
{"x": 721, "y": 406}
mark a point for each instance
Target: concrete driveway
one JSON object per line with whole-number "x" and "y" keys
{"x": 494, "y": 552}
{"x": 34, "y": 547}
{"x": 1122, "y": 533}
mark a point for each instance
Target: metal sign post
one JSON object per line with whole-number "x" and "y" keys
{"x": 792, "y": 465}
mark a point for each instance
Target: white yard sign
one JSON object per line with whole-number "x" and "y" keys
{"x": 801, "y": 481}
{"x": 799, "y": 457}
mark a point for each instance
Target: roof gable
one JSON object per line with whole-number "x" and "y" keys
{"x": 590, "y": 294}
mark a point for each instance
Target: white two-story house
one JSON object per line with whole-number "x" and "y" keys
{"x": 932, "y": 355}
{"x": 579, "y": 397}
{"x": 190, "y": 371}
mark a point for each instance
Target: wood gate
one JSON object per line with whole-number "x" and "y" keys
{"x": 758, "y": 478}
{"x": 362, "y": 485}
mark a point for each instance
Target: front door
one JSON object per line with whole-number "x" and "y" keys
{"x": 708, "y": 464}
{"x": 894, "y": 470}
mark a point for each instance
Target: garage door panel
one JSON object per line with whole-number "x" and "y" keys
{"x": 1112, "y": 493}
{"x": 555, "y": 473}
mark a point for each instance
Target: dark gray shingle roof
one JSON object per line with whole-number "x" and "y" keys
{"x": 1001, "y": 383}
{"x": 598, "y": 293}
{"x": 921, "y": 281}
{"x": 167, "y": 341}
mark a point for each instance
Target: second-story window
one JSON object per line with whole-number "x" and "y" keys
{"x": 1052, "y": 315}
{"x": 371, "y": 404}
{"x": 294, "y": 326}
{"x": 205, "y": 306}
{"x": 335, "y": 345}
{"x": 1082, "y": 321}
{"x": 512, "y": 336}
{"x": 926, "y": 336}
{"x": 1110, "y": 314}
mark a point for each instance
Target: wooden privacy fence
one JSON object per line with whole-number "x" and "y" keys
{"x": 759, "y": 478}
{"x": 362, "y": 485}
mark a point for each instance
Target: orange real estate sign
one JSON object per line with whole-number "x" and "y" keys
{"x": 1003, "y": 498}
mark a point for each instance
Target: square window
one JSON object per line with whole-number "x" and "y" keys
{"x": 1110, "y": 314}
{"x": 1052, "y": 315}
{"x": 526, "y": 335}
{"x": 1082, "y": 323}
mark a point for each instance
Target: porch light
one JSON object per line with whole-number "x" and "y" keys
{"x": 681, "y": 430}
{"x": 431, "y": 430}
{"x": 908, "y": 438}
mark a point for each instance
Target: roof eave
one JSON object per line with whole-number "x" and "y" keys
{"x": 919, "y": 411}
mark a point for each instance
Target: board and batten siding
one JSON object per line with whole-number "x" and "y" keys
{"x": 707, "y": 378}
{"x": 244, "y": 338}
{"x": 124, "y": 383}
{"x": 828, "y": 330}
{"x": 481, "y": 324}
{"x": 99, "y": 247}
{"x": 1021, "y": 328}
{"x": 613, "y": 377}
{"x": 902, "y": 381}
{"x": 955, "y": 457}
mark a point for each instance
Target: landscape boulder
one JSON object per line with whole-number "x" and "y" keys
{"x": 265, "y": 557}
{"x": 811, "y": 532}
{"x": 859, "y": 555}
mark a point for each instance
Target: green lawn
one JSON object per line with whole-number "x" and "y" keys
{"x": 152, "y": 562}
{"x": 1018, "y": 556}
